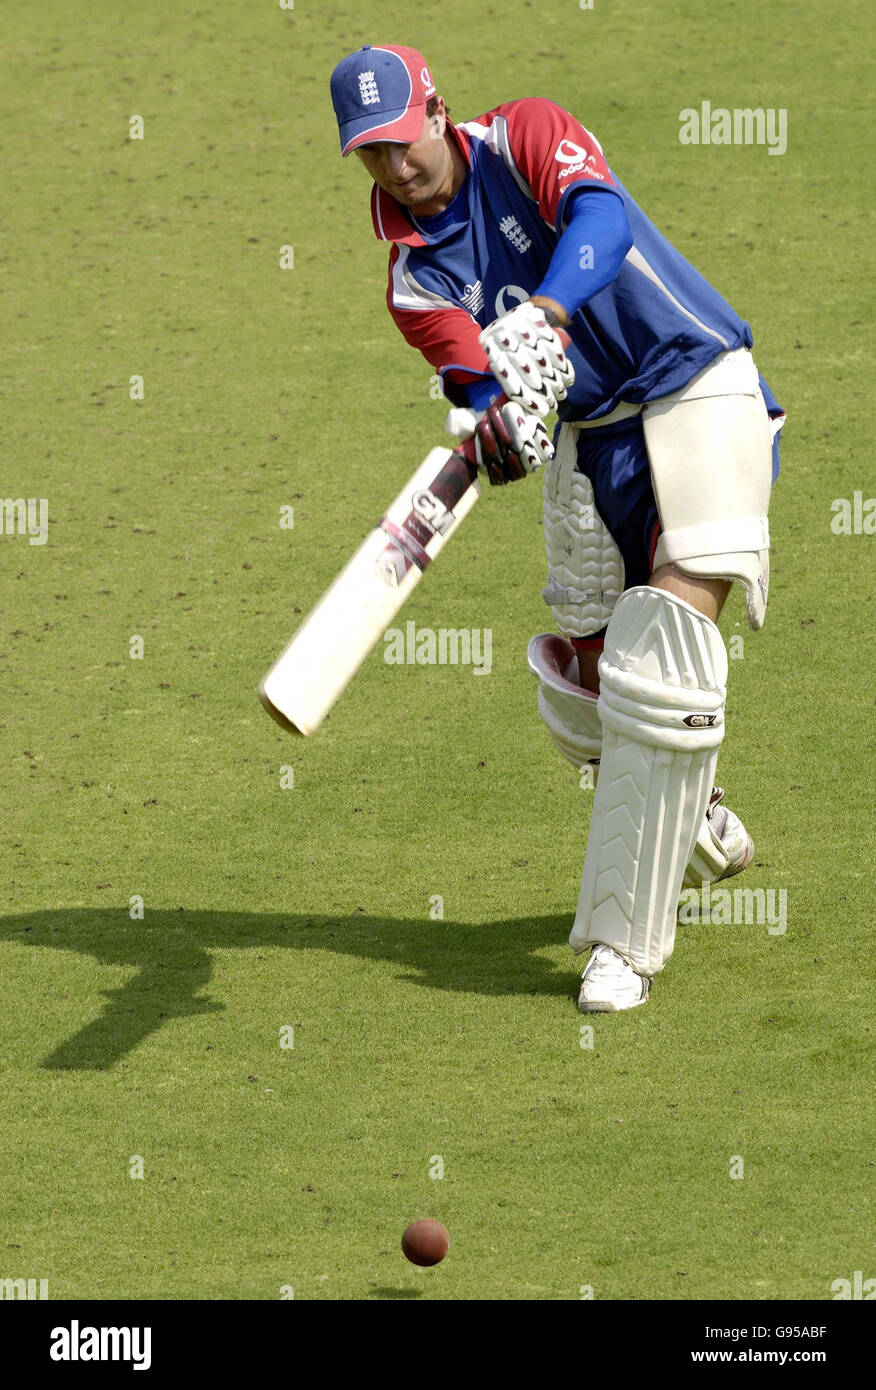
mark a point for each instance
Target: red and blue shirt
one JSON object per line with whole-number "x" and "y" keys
{"x": 642, "y": 335}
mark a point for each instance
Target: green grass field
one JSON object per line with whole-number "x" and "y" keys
{"x": 264, "y": 907}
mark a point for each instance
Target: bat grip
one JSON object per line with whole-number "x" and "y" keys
{"x": 468, "y": 451}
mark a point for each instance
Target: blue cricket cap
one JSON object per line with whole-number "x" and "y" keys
{"x": 380, "y": 93}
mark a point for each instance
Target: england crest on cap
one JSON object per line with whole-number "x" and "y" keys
{"x": 380, "y": 93}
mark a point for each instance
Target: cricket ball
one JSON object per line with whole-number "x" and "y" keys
{"x": 425, "y": 1242}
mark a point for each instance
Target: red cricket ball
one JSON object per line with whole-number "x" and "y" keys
{"x": 425, "y": 1242}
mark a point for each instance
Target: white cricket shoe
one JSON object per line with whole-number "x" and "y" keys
{"x": 722, "y": 848}
{"x": 609, "y": 983}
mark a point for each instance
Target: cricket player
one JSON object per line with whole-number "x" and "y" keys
{"x": 502, "y": 230}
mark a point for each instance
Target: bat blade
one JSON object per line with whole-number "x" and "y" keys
{"x": 354, "y": 612}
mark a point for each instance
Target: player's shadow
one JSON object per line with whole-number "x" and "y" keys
{"x": 171, "y": 954}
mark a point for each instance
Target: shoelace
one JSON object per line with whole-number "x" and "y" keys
{"x": 603, "y": 963}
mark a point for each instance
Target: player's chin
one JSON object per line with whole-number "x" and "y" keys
{"x": 412, "y": 193}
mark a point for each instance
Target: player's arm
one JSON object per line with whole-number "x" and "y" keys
{"x": 589, "y": 253}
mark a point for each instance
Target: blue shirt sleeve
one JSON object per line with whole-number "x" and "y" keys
{"x": 590, "y": 251}
{"x": 588, "y": 256}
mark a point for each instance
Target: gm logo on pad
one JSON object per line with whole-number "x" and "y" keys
{"x": 700, "y": 721}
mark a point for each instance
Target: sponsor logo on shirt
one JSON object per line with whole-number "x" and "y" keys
{"x": 515, "y": 234}
{"x": 515, "y": 293}
{"x": 473, "y": 298}
{"x": 575, "y": 159}
{"x": 584, "y": 168}
{"x": 567, "y": 152}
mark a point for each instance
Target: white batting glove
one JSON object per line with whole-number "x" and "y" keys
{"x": 509, "y": 443}
{"x": 530, "y": 437}
{"x": 527, "y": 359}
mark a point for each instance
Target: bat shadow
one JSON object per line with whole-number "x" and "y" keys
{"x": 171, "y": 952}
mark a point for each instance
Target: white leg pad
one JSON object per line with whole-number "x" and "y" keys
{"x": 571, "y": 715}
{"x": 663, "y": 677}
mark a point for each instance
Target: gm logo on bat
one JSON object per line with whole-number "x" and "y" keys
{"x": 432, "y": 510}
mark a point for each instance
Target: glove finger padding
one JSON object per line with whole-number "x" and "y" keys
{"x": 508, "y": 442}
{"x": 529, "y": 437}
{"x": 494, "y": 427}
{"x": 528, "y": 360}
{"x": 532, "y": 391}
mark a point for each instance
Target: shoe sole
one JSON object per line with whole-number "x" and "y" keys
{"x": 604, "y": 1006}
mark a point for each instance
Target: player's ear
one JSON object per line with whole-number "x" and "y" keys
{"x": 436, "y": 118}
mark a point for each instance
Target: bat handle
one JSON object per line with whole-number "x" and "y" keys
{"x": 468, "y": 451}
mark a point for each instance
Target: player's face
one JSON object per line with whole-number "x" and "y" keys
{"x": 414, "y": 174}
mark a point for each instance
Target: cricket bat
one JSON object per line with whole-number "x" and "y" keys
{"x": 354, "y": 612}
